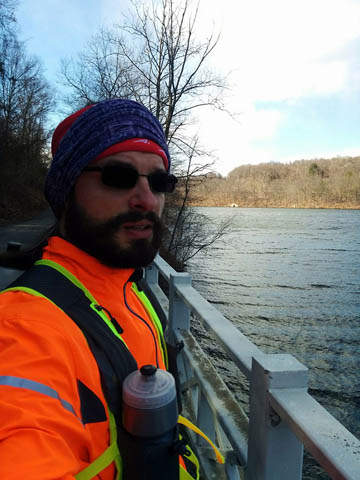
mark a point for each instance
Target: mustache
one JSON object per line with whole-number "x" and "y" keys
{"x": 111, "y": 226}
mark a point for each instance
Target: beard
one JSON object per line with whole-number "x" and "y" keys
{"x": 97, "y": 238}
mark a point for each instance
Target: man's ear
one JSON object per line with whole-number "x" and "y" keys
{"x": 62, "y": 229}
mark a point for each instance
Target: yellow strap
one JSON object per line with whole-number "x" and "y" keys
{"x": 28, "y": 290}
{"x": 184, "y": 421}
{"x": 113, "y": 441}
{"x": 98, "y": 465}
{"x": 59, "y": 268}
{"x": 155, "y": 321}
{"x": 184, "y": 474}
{"x": 111, "y": 454}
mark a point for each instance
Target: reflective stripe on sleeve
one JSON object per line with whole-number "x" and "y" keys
{"x": 38, "y": 387}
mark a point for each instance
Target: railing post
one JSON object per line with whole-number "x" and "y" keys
{"x": 274, "y": 452}
{"x": 179, "y": 319}
{"x": 152, "y": 275}
{"x": 179, "y": 312}
{"x": 205, "y": 420}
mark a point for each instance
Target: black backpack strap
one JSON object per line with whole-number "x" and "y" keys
{"x": 112, "y": 356}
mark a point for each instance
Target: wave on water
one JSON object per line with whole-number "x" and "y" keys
{"x": 329, "y": 228}
{"x": 291, "y": 287}
{"x": 236, "y": 284}
{"x": 336, "y": 394}
{"x": 284, "y": 251}
{"x": 319, "y": 285}
{"x": 335, "y": 250}
{"x": 295, "y": 287}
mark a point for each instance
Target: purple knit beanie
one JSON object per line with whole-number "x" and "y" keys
{"x": 94, "y": 130}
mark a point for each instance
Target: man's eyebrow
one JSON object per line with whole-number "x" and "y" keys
{"x": 113, "y": 163}
{"x": 159, "y": 169}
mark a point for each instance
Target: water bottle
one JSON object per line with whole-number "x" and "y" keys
{"x": 149, "y": 418}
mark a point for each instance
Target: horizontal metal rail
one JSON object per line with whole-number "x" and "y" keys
{"x": 239, "y": 348}
{"x": 328, "y": 441}
{"x": 283, "y": 416}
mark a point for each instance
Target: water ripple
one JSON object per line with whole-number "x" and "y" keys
{"x": 289, "y": 280}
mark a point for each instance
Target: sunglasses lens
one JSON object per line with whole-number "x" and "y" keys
{"x": 162, "y": 182}
{"x": 171, "y": 183}
{"x": 119, "y": 176}
{"x": 125, "y": 177}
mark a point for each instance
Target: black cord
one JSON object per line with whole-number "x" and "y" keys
{"x": 113, "y": 320}
{"x": 144, "y": 321}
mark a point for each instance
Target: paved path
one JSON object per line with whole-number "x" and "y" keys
{"x": 25, "y": 233}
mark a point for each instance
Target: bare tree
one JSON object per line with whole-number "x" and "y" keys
{"x": 25, "y": 101}
{"x": 7, "y": 15}
{"x": 99, "y": 73}
{"x": 155, "y": 59}
{"x": 188, "y": 232}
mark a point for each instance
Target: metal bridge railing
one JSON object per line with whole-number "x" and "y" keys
{"x": 283, "y": 416}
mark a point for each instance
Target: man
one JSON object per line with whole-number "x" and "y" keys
{"x": 59, "y": 356}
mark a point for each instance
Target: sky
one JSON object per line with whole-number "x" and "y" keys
{"x": 293, "y": 70}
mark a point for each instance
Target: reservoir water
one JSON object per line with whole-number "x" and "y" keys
{"x": 289, "y": 279}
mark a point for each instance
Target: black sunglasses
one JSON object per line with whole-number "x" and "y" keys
{"x": 125, "y": 176}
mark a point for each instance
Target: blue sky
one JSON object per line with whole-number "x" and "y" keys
{"x": 295, "y": 71}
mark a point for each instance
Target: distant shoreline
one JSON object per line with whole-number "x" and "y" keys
{"x": 318, "y": 184}
{"x": 29, "y": 218}
{"x": 297, "y": 207}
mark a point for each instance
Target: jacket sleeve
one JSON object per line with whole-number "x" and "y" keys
{"x": 42, "y": 435}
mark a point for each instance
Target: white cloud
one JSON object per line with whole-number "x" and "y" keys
{"x": 277, "y": 82}
{"x": 234, "y": 141}
{"x": 283, "y": 50}
{"x": 260, "y": 124}
{"x": 280, "y": 49}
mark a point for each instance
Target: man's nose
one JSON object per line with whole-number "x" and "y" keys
{"x": 142, "y": 197}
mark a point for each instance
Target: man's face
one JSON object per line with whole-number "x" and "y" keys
{"x": 121, "y": 228}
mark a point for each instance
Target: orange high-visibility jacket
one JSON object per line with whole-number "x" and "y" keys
{"x": 45, "y": 361}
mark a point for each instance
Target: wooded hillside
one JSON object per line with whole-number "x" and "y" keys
{"x": 317, "y": 183}
{"x": 26, "y": 99}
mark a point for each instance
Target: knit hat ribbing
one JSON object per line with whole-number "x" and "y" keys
{"x": 92, "y": 131}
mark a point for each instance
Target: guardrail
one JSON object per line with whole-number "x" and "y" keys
{"x": 283, "y": 417}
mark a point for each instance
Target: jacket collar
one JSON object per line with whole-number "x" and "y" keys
{"x": 85, "y": 267}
